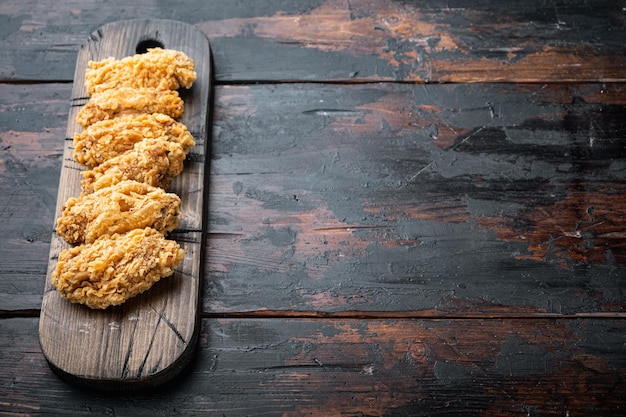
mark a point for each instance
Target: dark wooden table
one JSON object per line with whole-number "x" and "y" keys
{"x": 415, "y": 208}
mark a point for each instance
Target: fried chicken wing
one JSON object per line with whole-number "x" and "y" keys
{"x": 107, "y": 139}
{"x": 151, "y": 161}
{"x": 115, "y": 267}
{"x": 164, "y": 69}
{"x": 125, "y": 206}
{"x": 122, "y": 101}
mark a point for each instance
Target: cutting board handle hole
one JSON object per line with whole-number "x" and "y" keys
{"x": 144, "y": 45}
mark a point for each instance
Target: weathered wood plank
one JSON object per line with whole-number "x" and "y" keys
{"x": 443, "y": 199}
{"x": 150, "y": 337}
{"x": 395, "y": 198}
{"x": 32, "y": 128}
{"x": 337, "y": 40}
{"x": 354, "y": 367}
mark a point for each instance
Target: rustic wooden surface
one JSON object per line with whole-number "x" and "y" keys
{"x": 150, "y": 338}
{"x": 298, "y": 367}
{"x": 414, "y": 209}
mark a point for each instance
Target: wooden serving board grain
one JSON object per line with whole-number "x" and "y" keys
{"x": 150, "y": 338}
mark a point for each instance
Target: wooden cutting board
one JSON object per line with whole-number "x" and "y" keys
{"x": 151, "y": 337}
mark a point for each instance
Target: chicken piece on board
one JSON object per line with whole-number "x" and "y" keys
{"x": 122, "y": 101}
{"x": 151, "y": 161}
{"x": 115, "y": 267}
{"x": 107, "y": 139}
{"x": 123, "y": 207}
{"x": 164, "y": 69}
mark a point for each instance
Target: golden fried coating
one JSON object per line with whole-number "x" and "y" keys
{"x": 125, "y": 206}
{"x": 109, "y": 138}
{"x": 164, "y": 69}
{"x": 151, "y": 161}
{"x": 115, "y": 267}
{"x": 122, "y": 101}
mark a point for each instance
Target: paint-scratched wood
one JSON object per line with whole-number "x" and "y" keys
{"x": 349, "y": 41}
{"x": 151, "y": 337}
{"x": 443, "y": 198}
{"x": 353, "y": 367}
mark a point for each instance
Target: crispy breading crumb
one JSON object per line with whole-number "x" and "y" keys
{"x": 122, "y": 101}
{"x": 115, "y": 267}
{"x": 124, "y": 206}
{"x": 164, "y": 69}
{"x": 107, "y": 139}
{"x": 151, "y": 161}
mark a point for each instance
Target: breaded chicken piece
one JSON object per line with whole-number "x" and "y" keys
{"x": 164, "y": 69}
{"x": 109, "y": 138}
{"x": 125, "y": 206}
{"x": 115, "y": 267}
{"x": 151, "y": 161}
{"x": 123, "y": 101}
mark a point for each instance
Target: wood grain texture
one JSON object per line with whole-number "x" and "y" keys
{"x": 478, "y": 367}
{"x": 426, "y": 41}
{"x": 150, "y": 337}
